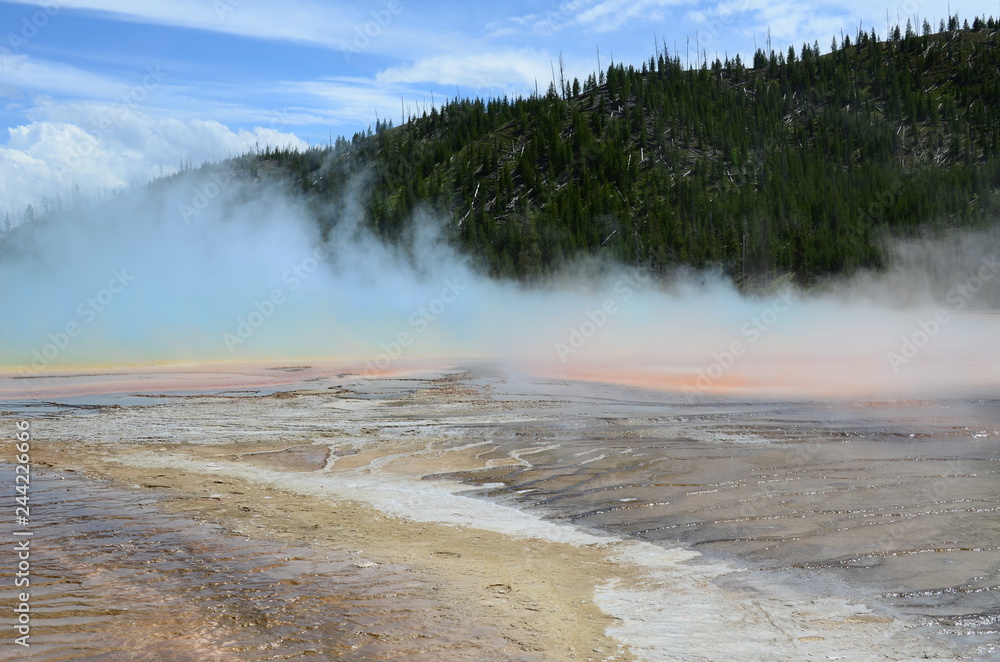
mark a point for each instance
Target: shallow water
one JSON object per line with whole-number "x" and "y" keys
{"x": 890, "y": 504}
{"x": 893, "y": 504}
{"x": 114, "y": 578}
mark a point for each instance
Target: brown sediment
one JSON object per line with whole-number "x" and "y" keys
{"x": 301, "y": 458}
{"x": 538, "y": 595}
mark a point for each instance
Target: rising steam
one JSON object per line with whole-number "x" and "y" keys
{"x": 205, "y": 268}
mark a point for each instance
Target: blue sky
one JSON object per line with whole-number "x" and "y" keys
{"x": 104, "y": 94}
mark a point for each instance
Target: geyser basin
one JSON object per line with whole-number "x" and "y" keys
{"x": 833, "y": 528}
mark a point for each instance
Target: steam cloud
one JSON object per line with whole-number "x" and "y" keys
{"x": 204, "y": 268}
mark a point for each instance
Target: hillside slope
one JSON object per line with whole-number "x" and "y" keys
{"x": 797, "y": 163}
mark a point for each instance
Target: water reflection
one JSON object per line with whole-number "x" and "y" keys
{"x": 113, "y": 578}
{"x": 893, "y": 504}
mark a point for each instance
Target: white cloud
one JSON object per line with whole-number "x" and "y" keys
{"x": 792, "y": 22}
{"x": 481, "y": 71}
{"x": 610, "y": 15}
{"x": 350, "y": 100}
{"x": 107, "y": 147}
{"x": 19, "y": 72}
{"x": 330, "y": 24}
{"x": 592, "y": 15}
{"x": 726, "y": 25}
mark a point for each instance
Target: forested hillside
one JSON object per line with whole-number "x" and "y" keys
{"x": 795, "y": 163}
